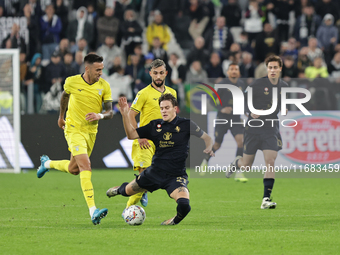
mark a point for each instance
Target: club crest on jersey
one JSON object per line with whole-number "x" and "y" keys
{"x": 167, "y": 136}
{"x": 100, "y": 91}
{"x": 177, "y": 129}
{"x": 266, "y": 91}
{"x": 159, "y": 128}
{"x": 76, "y": 147}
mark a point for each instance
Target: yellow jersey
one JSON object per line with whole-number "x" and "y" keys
{"x": 146, "y": 103}
{"x": 85, "y": 98}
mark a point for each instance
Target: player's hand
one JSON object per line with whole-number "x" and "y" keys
{"x": 254, "y": 116}
{"x": 209, "y": 151}
{"x": 144, "y": 143}
{"x": 123, "y": 105}
{"x": 227, "y": 110}
{"x": 61, "y": 123}
{"x": 92, "y": 116}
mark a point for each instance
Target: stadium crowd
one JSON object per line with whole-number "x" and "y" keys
{"x": 197, "y": 39}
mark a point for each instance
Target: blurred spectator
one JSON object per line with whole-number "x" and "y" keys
{"x": 78, "y": 3}
{"x": 209, "y": 8}
{"x": 232, "y": 13}
{"x": 303, "y": 61}
{"x": 328, "y": 6}
{"x": 158, "y": 51}
{"x": 317, "y": 70}
{"x": 313, "y": 50}
{"x": 253, "y": 20}
{"x": 306, "y": 25}
{"x": 92, "y": 18}
{"x": 33, "y": 30}
{"x": 35, "y": 8}
{"x": 120, "y": 84}
{"x": 198, "y": 53}
{"x": 107, "y": 26}
{"x": 177, "y": 75}
{"x": 23, "y": 73}
{"x": 63, "y": 48}
{"x": 261, "y": 70}
{"x": 327, "y": 36}
{"x": 281, "y": 10}
{"x": 158, "y": 29}
{"x": 17, "y": 42}
{"x": 121, "y": 6}
{"x": 78, "y": 62}
{"x": 143, "y": 77}
{"x": 62, "y": 12}
{"x": 221, "y": 38}
{"x": 291, "y": 49}
{"x": 131, "y": 32}
{"x": 34, "y": 75}
{"x": 334, "y": 67}
{"x": 81, "y": 46}
{"x": 234, "y": 56}
{"x": 169, "y": 9}
{"x": 133, "y": 68}
{"x": 116, "y": 64}
{"x": 245, "y": 44}
{"x": 199, "y": 18}
{"x": 196, "y": 73}
{"x": 54, "y": 72}
{"x": 289, "y": 70}
{"x": 247, "y": 68}
{"x": 70, "y": 69}
{"x": 51, "y": 26}
{"x": 80, "y": 28}
{"x": 138, "y": 52}
{"x": 108, "y": 51}
{"x": 214, "y": 68}
{"x": 181, "y": 31}
{"x": 267, "y": 43}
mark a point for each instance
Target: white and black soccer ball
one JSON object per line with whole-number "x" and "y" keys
{"x": 134, "y": 215}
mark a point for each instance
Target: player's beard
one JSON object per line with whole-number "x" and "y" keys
{"x": 158, "y": 84}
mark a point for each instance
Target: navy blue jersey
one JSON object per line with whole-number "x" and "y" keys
{"x": 227, "y": 99}
{"x": 262, "y": 100}
{"x": 172, "y": 143}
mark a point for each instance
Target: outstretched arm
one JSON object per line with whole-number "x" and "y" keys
{"x": 143, "y": 143}
{"x": 208, "y": 144}
{"x": 108, "y": 114}
{"x": 124, "y": 109}
{"x": 63, "y": 106}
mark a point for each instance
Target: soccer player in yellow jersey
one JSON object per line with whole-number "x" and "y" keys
{"x": 83, "y": 96}
{"x": 146, "y": 104}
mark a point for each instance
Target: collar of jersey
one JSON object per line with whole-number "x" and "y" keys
{"x": 174, "y": 121}
{"x": 84, "y": 79}
{"x": 158, "y": 90}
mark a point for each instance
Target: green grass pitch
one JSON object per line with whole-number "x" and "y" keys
{"x": 49, "y": 216}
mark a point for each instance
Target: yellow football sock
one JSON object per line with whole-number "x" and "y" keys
{"x": 87, "y": 187}
{"x": 134, "y": 199}
{"x": 61, "y": 165}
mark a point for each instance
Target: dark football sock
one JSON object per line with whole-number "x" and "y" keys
{"x": 268, "y": 184}
{"x": 121, "y": 189}
{"x": 183, "y": 208}
{"x": 239, "y": 152}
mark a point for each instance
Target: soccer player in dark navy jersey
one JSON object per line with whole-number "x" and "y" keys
{"x": 225, "y": 111}
{"x": 267, "y": 137}
{"x": 171, "y": 136}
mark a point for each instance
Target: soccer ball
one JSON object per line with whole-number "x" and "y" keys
{"x": 134, "y": 215}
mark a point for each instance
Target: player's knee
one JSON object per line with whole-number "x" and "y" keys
{"x": 74, "y": 171}
{"x": 183, "y": 206}
{"x": 270, "y": 162}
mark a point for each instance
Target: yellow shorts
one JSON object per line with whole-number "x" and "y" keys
{"x": 142, "y": 158}
{"x": 80, "y": 142}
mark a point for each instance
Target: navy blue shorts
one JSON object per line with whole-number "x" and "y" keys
{"x": 151, "y": 180}
{"x": 221, "y": 130}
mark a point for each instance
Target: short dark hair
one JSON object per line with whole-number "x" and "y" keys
{"x": 273, "y": 58}
{"x": 233, "y": 64}
{"x": 168, "y": 97}
{"x": 157, "y": 63}
{"x": 93, "y": 58}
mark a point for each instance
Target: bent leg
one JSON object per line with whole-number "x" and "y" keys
{"x": 181, "y": 195}
{"x": 130, "y": 189}
{"x": 134, "y": 199}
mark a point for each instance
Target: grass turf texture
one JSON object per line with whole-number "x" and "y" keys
{"x": 49, "y": 216}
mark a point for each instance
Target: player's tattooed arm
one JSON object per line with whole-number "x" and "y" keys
{"x": 108, "y": 114}
{"x": 63, "y": 106}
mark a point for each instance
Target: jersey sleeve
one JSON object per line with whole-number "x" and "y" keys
{"x": 145, "y": 131}
{"x": 138, "y": 103}
{"x": 107, "y": 97}
{"x": 195, "y": 129}
{"x": 67, "y": 86}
